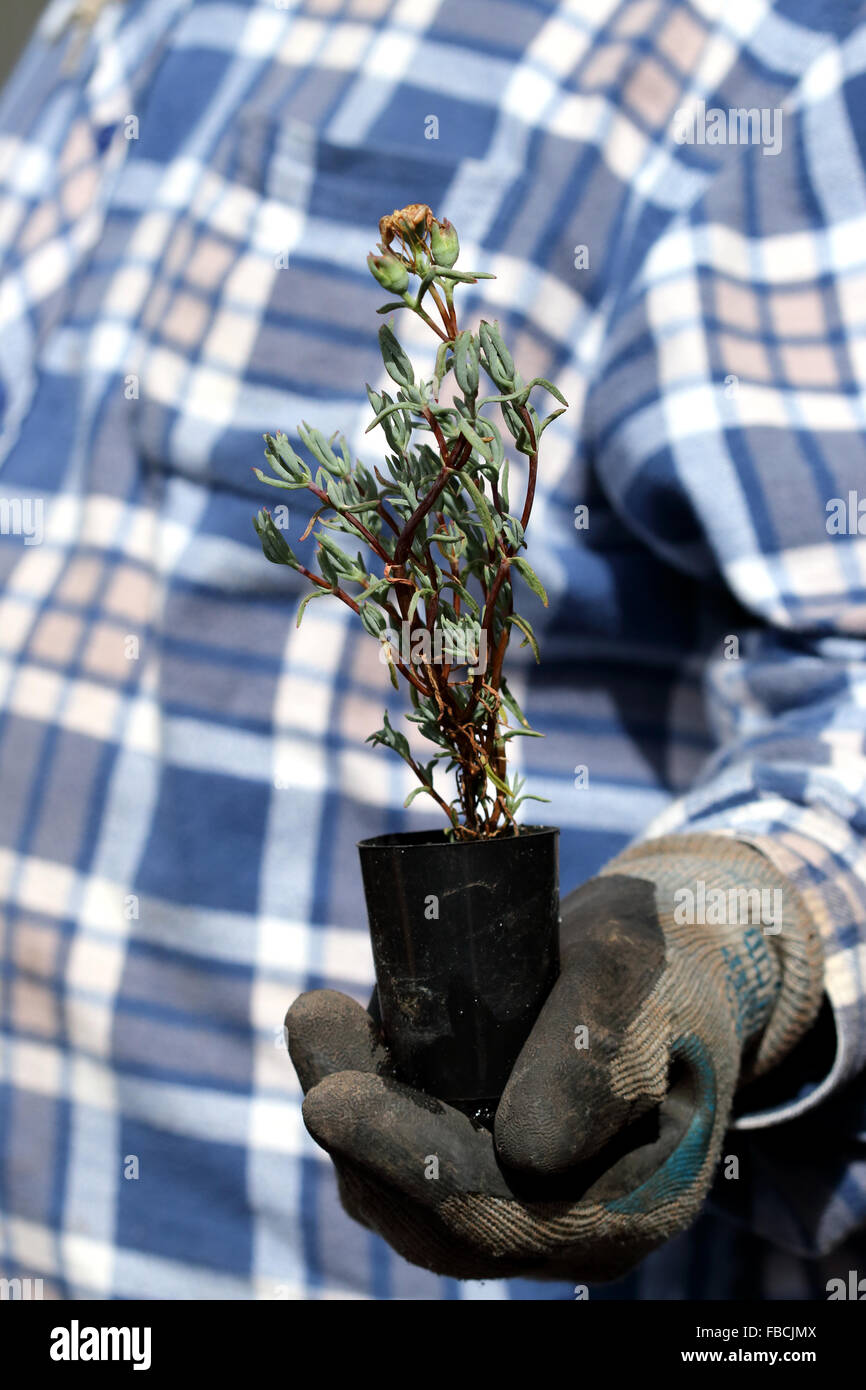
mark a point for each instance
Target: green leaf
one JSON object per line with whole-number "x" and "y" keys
{"x": 499, "y": 362}
{"x": 499, "y": 345}
{"x": 510, "y": 702}
{"x": 548, "y": 419}
{"x": 526, "y": 629}
{"x": 361, "y": 506}
{"x": 275, "y": 482}
{"x": 424, "y": 592}
{"x": 326, "y": 565}
{"x": 548, "y": 386}
{"x": 475, "y": 440}
{"x": 389, "y": 737}
{"x": 519, "y": 394}
{"x": 483, "y": 509}
{"x": 525, "y": 570}
{"x": 417, "y": 792}
{"x": 528, "y": 797}
{"x": 497, "y": 448}
{"x": 497, "y": 781}
{"x": 443, "y": 272}
{"x": 389, "y": 410}
{"x": 278, "y": 444}
{"x": 337, "y": 493}
{"x": 451, "y": 582}
{"x": 397, "y": 364}
{"x": 343, "y": 565}
{"x": 514, "y": 533}
{"x": 374, "y": 620}
{"x": 317, "y": 593}
{"x": 377, "y": 591}
{"x": 466, "y": 363}
{"x": 397, "y": 431}
{"x": 284, "y": 462}
{"x": 321, "y": 449}
{"x": 440, "y": 369}
{"x": 517, "y": 429}
{"x": 274, "y": 545}
{"x": 446, "y": 538}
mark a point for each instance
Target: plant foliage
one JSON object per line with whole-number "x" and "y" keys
{"x": 435, "y": 581}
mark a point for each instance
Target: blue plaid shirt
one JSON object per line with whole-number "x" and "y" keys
{"x": 187, "y": 194}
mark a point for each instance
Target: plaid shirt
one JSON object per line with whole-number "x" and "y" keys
{"x": 187, "y": 194}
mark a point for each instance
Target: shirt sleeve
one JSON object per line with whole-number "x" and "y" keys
{"x": 728, "y": 424}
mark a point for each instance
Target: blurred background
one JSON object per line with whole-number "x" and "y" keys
{"x": 19, "y": 20}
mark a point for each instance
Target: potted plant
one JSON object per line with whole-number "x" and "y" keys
{"x": 464, "y": 919}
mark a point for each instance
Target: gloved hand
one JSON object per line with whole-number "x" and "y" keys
{"x": 605, "y": 1141}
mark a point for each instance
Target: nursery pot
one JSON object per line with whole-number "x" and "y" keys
{"x": 465, "y": 941}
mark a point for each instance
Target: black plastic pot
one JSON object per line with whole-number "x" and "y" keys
{"x": 466, "y": 947}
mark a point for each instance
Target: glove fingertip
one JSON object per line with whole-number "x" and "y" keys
{"x": 327, "y": 1032}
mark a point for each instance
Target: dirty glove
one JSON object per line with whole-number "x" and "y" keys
{"x": 611, "y": 1125}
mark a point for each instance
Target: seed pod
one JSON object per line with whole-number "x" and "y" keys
{"x": 391, "y": 273}
{"x": 444, "y": 243}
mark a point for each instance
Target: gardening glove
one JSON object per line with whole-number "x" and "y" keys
{"x": 611, "y": 1124}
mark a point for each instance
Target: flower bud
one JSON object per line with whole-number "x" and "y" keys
{"x": 391, "y": 273}
{"x": 444, "y": 243}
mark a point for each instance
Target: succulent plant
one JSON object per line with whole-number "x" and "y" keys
{"x": 442, "y": 548}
